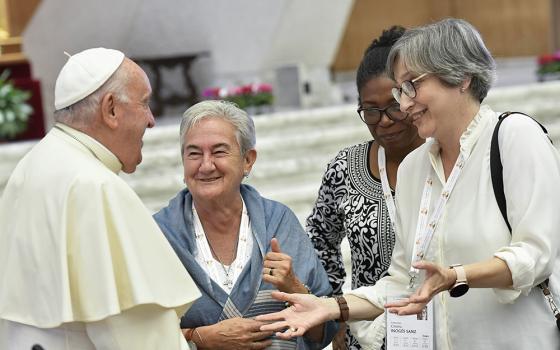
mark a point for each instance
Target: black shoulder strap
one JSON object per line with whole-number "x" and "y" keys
{"x": 496, "y": 169}
{"x": 496, "y": 172}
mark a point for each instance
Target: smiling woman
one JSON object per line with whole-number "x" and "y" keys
{"x": 450, "y": 233}
{"x": 355, "y": 199}
{"x": 213, "y": 163}
{"x": 237, "y": 245}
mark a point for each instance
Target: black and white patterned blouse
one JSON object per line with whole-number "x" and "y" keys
{"x": 350, "y": 203}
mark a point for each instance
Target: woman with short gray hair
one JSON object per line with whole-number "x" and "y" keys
{"x": 451, "y": 49}
{"x": 237, "y": 245}
{"x": 244, "y": 125}
{"x": 451, "y": 234}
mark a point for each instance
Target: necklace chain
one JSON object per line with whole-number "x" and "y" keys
{"x": 227, "y": 271}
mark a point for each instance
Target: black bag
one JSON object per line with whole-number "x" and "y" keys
{"x": 496, "y": 172}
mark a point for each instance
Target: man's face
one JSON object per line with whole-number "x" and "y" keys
{"x": 134, "y": 117}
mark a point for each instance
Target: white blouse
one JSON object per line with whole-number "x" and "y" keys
{"x": 224, "y": 275}
{"x": 472, "y": 230}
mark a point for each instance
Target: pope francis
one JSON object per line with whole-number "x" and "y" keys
{"x": 82, "y": 264}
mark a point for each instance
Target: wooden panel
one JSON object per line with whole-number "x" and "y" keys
{"x": 555, "y": 28}
{"x": 508, "y": 27}
{"x": 370, "y": 17}
{"x": 18, "y": 13}
{"x": 3, "y": 20}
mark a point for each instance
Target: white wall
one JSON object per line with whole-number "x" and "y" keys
{"x": 246, "y": 39}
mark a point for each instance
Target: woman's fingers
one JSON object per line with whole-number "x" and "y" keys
{"x": 260, "y": 335}
{"x": 276, "y": 257}
{"x": 291, "y": 332}
{"x": 410, "y": 309}
{"x": 292, "y": 298}
{"x": 423, "y": 295}
{"x": 270, "y": 317}
{"x": 397, "y": 303}
{"x": 422, "y": 265}
{"x": 275, "y": 326}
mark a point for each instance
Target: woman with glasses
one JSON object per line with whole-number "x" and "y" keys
{"x": 356, "y": 195}
{"x": 450, "y": 233}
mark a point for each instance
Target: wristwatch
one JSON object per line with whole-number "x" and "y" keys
{"x": 461, "y": 285}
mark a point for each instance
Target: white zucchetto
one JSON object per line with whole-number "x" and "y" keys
{"x": 84, "y": 73}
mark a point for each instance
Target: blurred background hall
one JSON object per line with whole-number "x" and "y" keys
{"x": 289, "y": 63}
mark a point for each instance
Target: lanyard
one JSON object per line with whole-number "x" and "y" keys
{"x": 425, "y": 228}
{"x": 389, "y": 201}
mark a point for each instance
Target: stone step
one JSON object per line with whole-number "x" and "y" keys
{"x": 293, "y": 147}
{"x": 283, "y": 145}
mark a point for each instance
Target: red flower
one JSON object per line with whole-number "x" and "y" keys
{"x": 246, "y": 89}
{"x": 546, "y": 59}
{"x": 264, "y": 88}
{"x": 213, "y": 92}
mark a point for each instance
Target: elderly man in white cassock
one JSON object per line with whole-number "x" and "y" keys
{"x": 82, "y": 263}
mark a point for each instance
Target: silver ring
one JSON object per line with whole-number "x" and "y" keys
{"x": 270, "y": 272}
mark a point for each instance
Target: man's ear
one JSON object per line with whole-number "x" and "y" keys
{"x": 109, "y": 110}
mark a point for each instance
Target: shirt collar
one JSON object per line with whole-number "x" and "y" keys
{"x": 471, "y": 135}
{"x": 467, "y": 141}
{"x": 100, "y": 152}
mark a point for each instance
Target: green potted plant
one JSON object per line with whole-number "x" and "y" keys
{"x": 14, "y": 111}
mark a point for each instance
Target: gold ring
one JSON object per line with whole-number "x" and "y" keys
{"x": 292, "y": 329}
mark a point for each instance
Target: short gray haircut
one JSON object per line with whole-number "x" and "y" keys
{"x": 81, "y": 112}
{"x": 452, "y": 49}
{"x": 243, "y": 123}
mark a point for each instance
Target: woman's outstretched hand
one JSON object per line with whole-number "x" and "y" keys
{"x": 307, "y": 311}
{"x": 438, "y": 279}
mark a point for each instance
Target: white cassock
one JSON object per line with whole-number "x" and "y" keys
{"x": 82, "y": 263}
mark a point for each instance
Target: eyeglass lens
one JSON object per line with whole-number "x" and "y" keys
{"x": 407, "y": 87}
{"x": 373, "y": 115}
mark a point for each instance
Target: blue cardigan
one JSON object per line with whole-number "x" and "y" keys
{"x": 250, "y": 295}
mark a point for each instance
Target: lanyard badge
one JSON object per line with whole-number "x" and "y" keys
{"x": 425, "y": 228}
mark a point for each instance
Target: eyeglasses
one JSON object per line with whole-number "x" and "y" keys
{"x": 372, "y": 115}
{"x": 407, "y": 87}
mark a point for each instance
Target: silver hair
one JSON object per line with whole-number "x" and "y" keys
{"x": 80, "y": 113}
{"x": 452, "y": 49}
{"x": 243, "y": 123}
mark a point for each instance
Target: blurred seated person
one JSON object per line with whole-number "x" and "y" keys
{"x": 237, "y": 245}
